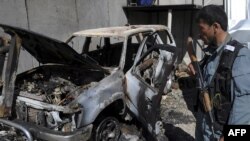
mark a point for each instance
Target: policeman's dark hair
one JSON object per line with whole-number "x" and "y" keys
{"x": 211, "y": 14}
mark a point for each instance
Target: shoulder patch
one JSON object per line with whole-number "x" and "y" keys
{"x": 229, "y": 47}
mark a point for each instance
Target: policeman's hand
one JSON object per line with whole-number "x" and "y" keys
{"x": 191, "y": 70}
{"x": 221, "y": 138}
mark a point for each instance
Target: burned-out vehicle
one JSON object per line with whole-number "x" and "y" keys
{"x": 82, "y": 88}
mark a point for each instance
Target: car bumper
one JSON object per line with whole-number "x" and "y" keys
{"x": 32, "y": 131}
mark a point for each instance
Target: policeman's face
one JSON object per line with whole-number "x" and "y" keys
{"x": 207, "y": 32}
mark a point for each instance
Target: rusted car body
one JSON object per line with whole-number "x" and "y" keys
{"x": 78, "y": 96}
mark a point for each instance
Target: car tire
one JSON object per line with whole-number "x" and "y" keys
{"x": 162, "y": 138}
{"x": 107, "y": 129}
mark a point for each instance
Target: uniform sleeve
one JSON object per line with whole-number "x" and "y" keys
{"x": 240, "y": 111}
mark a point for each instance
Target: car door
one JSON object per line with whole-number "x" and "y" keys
{"x": 145, "y": 81}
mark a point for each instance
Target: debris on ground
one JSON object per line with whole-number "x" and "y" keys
{"x": 177, "y": 108}
{"x": 130, "y": 133}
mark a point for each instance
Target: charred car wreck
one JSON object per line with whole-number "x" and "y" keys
{"x": 82, "y": 93}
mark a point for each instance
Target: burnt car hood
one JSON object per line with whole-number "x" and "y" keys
{"x": 48, "y": 50}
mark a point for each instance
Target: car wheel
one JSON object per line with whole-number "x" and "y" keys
{"x": 108, "y": 129}
{"x": 162, "y": 138}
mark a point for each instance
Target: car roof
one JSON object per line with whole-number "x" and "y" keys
{"x": 119, "y": 31}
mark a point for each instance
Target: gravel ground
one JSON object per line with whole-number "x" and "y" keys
{"x": 178, "y": 118}
{"x": 177, "y": 108}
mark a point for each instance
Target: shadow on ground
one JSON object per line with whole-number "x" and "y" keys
{"x": 179, "y": 111}
{"x": 176, "y": 134}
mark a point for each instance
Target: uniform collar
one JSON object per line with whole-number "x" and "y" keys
{"x": 212, "y": 49}
{"x": 227, "y": 39}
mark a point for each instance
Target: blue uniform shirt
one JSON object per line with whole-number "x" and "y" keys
{"x": 211, "y": 66}
{"x": 213, "y": 61}
{"x": 240, "y": 85}
{"x": 240, "y": 88}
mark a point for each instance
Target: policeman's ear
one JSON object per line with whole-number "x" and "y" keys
{"x": 216, "y": 27}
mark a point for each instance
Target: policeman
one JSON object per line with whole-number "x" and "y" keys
{"x": 226, "y": 74}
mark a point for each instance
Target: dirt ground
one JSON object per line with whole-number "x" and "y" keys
{"x": 178, "y": 116}
{"x": 178, "y": 107}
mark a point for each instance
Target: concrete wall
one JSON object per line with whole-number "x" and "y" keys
{"x": 13, "y": 12}
{"x": 60, "y": 18}
{"x": 55, "y": 18}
